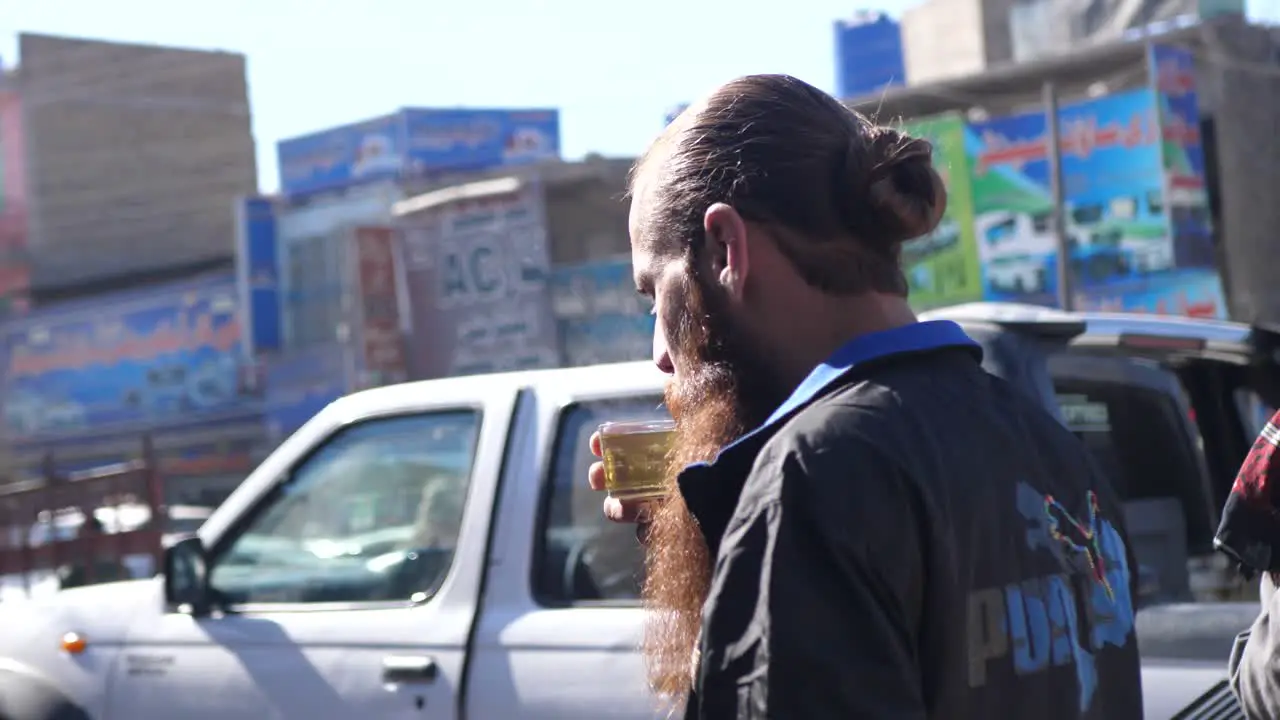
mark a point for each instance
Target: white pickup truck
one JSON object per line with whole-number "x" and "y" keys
{"x": 431, "y": 550}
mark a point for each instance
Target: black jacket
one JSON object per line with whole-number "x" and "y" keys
{"x": 911, "y": 537}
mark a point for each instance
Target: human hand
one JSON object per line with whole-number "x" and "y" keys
{"x": 638, "y": 511}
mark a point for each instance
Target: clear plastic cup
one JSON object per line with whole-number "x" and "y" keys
{"x": 636, "y": 456}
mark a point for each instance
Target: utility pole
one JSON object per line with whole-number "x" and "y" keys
{"x": 1053, "y": 153}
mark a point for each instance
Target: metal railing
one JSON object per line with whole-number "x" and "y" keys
{"x": 83, "y": 526}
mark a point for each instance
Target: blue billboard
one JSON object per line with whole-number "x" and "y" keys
{"x": 258, "y": 272}
{"x": 136, "y": 361}
{"x": 300, "y": 383}
{"x": 869, "y": 55}
{"x": 417, "y": 142}
{"x": 1186, "y": 292}
{"x": 343, "y": 156}
{"x": 448, "y": 140}
{"x": 1113, "y": 181}
{"x": 1172, "y": 71}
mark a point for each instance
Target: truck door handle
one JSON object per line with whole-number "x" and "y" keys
{"x": 409, "y": 669}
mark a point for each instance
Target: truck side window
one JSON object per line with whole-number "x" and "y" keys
{"x": 1139, "y": 438}
{"x": 581, "y": 556}
{"x": 1122, "y": 425}
{"x": 372, "y": 515}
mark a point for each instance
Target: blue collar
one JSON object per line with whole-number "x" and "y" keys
{"x": 916, "y": 337}
{"x": 711, "y": 490}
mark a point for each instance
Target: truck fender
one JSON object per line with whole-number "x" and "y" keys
{"x": 27, "y": 696}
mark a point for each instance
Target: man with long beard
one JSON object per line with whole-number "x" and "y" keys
{"x": 865, "y": 524}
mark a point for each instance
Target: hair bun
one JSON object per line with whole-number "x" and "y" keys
{"x": 900, "y": 195}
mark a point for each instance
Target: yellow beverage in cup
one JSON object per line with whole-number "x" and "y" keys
{"x": 636, "y": 457}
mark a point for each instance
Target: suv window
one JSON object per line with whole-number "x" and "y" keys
{"x": 581, "y": 555}
{"x": 1140, "y": 439}
{"x": 1123, "y": 425}
{"x": 372, "y": 515}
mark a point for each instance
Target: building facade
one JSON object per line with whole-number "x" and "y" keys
{"x": 946, "y": 39}
{"x": 134, "y": 155}
{"x": 868, "y": 54}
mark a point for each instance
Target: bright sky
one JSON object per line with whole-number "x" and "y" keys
{"x": 612, "y": 68}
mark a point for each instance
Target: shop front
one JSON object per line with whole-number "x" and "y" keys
{"x": 160, "y": 370}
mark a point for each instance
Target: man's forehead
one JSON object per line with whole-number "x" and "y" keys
{"x": 645, "y": 184}
{"x": 642, "y": 203}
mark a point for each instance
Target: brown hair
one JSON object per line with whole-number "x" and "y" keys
{"x": 839, "y": 194}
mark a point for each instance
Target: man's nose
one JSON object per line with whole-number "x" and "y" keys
{"x": 664, "y": 364}
{"x": 661, "y": 357}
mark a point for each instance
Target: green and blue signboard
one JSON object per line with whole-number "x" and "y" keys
{"x": 943, "y": 268}
{"x": 1136, "y": 211}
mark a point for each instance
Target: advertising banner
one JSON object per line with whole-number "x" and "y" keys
{"x": 300, "y": 383}
{"x": 942, "y": 268}
{"x": 1190, "y": 293}
{"x": 377, "y": 324}
{"x": 258, "y": 272}
{"x": 343, "y": 156}
{"x": 416, "y": 142}
{"x": 601, "y": 317}
{"x": 1172, "y": 71}
{"x": 155, "y": 357}
{"x": 1113, "y": 181}
{"x": 452, "y": 140}
{"x": 15, "y": 277}
{"x": 477, "y": 279}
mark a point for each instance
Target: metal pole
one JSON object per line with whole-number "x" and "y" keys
{"x": 1053, "y": 153}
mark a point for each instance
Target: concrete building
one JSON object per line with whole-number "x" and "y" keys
{"x": 14, "y": 265}
{"x": 953, "y": 38}
{"x": 134, "y": 156}
{"x": 945, "y": 39}
{"x": 1238, "y": 84}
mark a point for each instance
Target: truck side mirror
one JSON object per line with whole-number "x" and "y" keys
{"x": 186, "y": 587}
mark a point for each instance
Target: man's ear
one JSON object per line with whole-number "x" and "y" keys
{"x": 726, "y": 234}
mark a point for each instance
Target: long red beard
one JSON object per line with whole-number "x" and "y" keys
{"x": 711, "y": 411}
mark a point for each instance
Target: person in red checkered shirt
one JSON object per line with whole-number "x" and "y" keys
{"x": 1250, "y": 536}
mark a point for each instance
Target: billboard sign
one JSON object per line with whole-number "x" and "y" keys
{"x": 1172, "y": 71}
{"x": 452, "y": 140}
{"x": 300, "y": 383}
{"x": 416, "y": 142}
{"x": 1113, "y": 182}
{"x": 1190, "y": 293}
{"x": 477, "y": 281}
{"x": 362, "y": 152}
{"x": 942, "y": 267}
{"x": 600, "y": 316}
{"x": 138, "y": 360}
{"x": 377, "y": 324}
{"x": 258, "y": 273}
